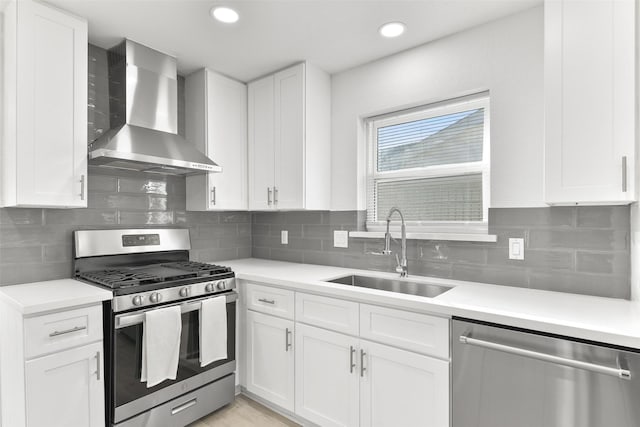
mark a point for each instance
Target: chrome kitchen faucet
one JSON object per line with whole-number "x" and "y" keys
{"x": 402, "y": 266}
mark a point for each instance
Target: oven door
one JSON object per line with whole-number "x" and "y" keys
{"x": 130, "y": 396}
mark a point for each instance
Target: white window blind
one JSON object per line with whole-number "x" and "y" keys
{"x": 432, "y": 163}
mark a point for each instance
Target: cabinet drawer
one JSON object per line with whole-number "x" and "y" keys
{"x": 421, "y": 333}
{"x": 328, "y": 313}
{"x": 58, "y": 331}
{"x": 275, "y": 301}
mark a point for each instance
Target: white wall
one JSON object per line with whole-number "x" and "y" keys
{"x": 504, "y": 57}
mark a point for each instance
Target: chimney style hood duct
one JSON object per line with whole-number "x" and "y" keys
{"x": 143, "y": 104}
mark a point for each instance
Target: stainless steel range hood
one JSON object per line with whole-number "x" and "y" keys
{"x": 143, "y": 104}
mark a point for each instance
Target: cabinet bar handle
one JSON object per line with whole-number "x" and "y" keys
{"x": 184, "y": 406}
{"x": 624, "y": 374}
{"x": 269, "y": 196}
{"x": 275, "y": 195}
{"x": 351, "y": 363}
{"x": 362, "y": 368}
{"x": 213, "y": 195}
{"x": 267, "y": 301}
{"x": 81, "y": 187}
{"x": 624, "y": 174}
{"x": 98, "y": 365}
{"x": 286, "y": 340}
{"x": 67, "y": 331}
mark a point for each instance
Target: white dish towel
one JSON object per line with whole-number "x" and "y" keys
{"x": 213, "y": 330}
{"x": 161, "y": 345}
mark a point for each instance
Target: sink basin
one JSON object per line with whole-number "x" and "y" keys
{"x": 392, "y": 285}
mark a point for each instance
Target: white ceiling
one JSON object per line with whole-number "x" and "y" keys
{"x": 272, "y": 34}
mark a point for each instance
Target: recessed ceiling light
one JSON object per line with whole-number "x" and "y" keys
{"x": 225, "y": 14}
{"x": 391, "y": 29}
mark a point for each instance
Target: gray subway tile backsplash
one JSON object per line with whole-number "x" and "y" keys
{"x": 583, "y": 250}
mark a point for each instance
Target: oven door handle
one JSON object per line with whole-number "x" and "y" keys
{"x": 124, "y": 320}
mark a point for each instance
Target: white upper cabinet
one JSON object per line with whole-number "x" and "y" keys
{"x": 44, "y": 132}
{"x": 289, "y": 140}
{"x": 590, "y": 107}
{"x": 216, "y": 122}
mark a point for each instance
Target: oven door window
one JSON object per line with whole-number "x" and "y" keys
{"x": 127, "y": 357}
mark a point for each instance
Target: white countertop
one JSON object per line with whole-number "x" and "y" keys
{"x": 40, "y": 297}
{"x": 607, "y": 320}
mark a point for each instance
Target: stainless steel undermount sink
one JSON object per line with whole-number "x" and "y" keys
{"x": 392, "y": 285}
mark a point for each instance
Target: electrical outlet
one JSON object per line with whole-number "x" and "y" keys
{"x": 340, "y": 238}
{"x": 516, "y": 249}
{"x": 284, "y": 237}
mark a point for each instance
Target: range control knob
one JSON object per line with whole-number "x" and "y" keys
{"x": 155, "y": 297}
{"x": 221, "y": 285}
{"x": 184, "y": 292}
{"x": 137, "y": 300}
{"x": 209, "y": 287}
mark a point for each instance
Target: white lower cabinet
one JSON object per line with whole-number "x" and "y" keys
{"x": 355, "y": 364}
{"x": 51, "y": 365}
{"x": 66, "y": 388}
{"x": 270, "y": 358}
{"x": 327, "y": 377}
{"x": 400, "y": 388}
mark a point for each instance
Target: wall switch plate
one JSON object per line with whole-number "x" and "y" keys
{"x": 340, "y": 238}
{"x": 516, "y": 249}
{"x": 284, "y": 237}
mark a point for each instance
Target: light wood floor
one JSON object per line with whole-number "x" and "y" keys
{"x": 244, "y": 412}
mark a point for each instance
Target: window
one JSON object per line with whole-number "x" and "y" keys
{"x": 431, "y": 162}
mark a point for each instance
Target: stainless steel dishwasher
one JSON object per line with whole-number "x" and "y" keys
{"x": 507, "y": 377}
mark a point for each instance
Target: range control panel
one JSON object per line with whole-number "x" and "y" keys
{"x": 141, "y": 240}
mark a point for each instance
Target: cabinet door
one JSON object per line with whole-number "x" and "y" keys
{"x": 290, "y": 138}
{"x": 66, "y": 388}
{"x": 270, "y": 359}
{"x": 261, "y": 143}
{"x": 400, "y": 388}
{"x": 589, "y": 101}
{"x": 327, "y": 377}
{"x": 51, "y": 109}
{"x": 227, "y": 138}
{"x": 216, "y": 123}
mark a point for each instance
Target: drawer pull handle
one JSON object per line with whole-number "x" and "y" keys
{"x": 98, "y": 365}
{"x": 624, "y": 174}
{"x": 81, "y": 187}
{"x": 267, "y": 301}
{"x": 67, "y": 331}
{"x": 287, "y": 342}
{"x": 351, "y": 362}
{"x": 184, "y": 406}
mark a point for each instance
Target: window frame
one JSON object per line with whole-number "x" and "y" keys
{"x": 450, "y": 106}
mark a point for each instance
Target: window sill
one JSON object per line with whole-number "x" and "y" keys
{"x": 454, "y": 237}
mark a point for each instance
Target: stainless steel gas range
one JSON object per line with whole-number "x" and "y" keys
{"x": 149, "y": 269}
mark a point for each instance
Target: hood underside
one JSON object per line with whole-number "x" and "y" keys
{"x": 143, "y": 117}
{"x": 147, "y": 150}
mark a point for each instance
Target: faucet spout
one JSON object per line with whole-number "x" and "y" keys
{"x": 402, "y": 266}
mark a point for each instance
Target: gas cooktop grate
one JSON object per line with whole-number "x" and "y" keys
{"x": 200, "y": 267}
{"x": 160, "y": 273}
{"x": 120, "y": 278}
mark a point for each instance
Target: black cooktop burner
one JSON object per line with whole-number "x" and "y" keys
{"x": 160, "y": 273}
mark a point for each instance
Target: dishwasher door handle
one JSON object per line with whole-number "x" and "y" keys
{"x": 624, "y": 374}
